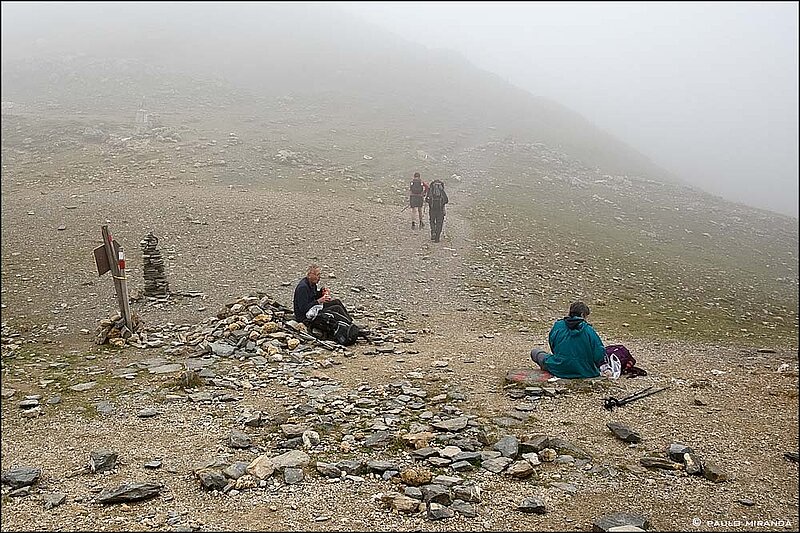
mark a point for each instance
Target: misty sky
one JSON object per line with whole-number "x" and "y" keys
{"x": 709, "y": 91}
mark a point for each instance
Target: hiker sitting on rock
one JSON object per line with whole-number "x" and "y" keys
{"x": 309, "y": 301}
{"x": 315, "y": 308}
{"x": 577, "y": 350}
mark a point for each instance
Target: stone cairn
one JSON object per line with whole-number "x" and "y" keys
{"x": 155, "y": 281}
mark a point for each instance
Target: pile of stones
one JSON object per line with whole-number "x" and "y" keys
{"x": 114, "y": 331}
{"x": 155, "y": 280}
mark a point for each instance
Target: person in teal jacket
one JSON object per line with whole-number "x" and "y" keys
{"x": 577, "y": 349}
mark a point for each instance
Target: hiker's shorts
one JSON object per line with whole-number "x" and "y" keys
{"x": 416, "y": 201}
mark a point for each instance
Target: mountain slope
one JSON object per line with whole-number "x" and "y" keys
{"x": 307, "y": 52}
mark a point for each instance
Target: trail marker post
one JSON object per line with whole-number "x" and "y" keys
{"x": 110, "y": 258}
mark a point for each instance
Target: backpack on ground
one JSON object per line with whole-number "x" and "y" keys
{"x": 345, "y": 333}
{"x": 627, "y": 362}
{"x": 416, "y": 187}
{"x": 437, "y": 195}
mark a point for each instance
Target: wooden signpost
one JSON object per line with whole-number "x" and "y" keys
{"x": 110, "y": 257}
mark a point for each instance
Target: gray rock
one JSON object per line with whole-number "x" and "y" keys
{"x": 438, "y": 512}
{"x": 424, "y": 453}
{"x": 255, "y": 420}
{"x": 155, "y": 463}
{"x": 389, "y": 474}
{"x": 447, "y": 481}
{"x": 437, "y": 494}
{"x": 102, "y": 461}
{"x": 22, "y": 476}
{"x": 676, "y": 451}
{"x": 569, "y": 488}
{"x": 328, "y": 470}
{"x": 130, "y": 492}
{"x": 222, "y": 349}
{"x": 713, "y": 473}
{"x": 236, "y": 470}
{"x": 520, "y": 469}
{"x": 496, "y": 465}
{"x": 381, "y": 466}
{"x": 791, "y": 456}
{"x": 54, "y": 500}
{"x": 148, "y": 412}
{"x": 378, "y": 440}
{"x": 508, "y": 446}
{"x": 20, "y": 492}
{"x": 212, "y": 479}
{"x": 400, "y": 502}
{"x": 534, "y": 444}
{"x": 470, "y": 457}
{"x": 564, "y": 459}
{"x": 80, "y": 387}
{"x": 567, "y": 448}
{"x": 462, "y": 466}
{"x": 532, "y": 505}
{"x": 28, "y": 404}
{"x": 452, "y": 424}
{"x": 624, "y": 433}
{"x": 293, "y": 430}
{"x": 693, "y": 464}
{"x": 292, "y": 476}
{"x": 166, "y": 369}
{"x": 463, "y": 508}
{"x": 438, "y": 461}
{"x": 490, "y": 454}
{"x": 104, "y": 408}
{"x": 746, "y": 502}
{"x": 467, "y": 493}
{"x": 605, "y": 523}
{"x": 239, "y": 439}
{"x": 658, "y": 462}
{"x": 353, "y": 468}
{"x": 414, "y": 492}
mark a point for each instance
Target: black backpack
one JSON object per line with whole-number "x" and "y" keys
{"x": 345, "y": 333}
{"x": 437, "y": 195}
{"x": 416, "y": 187}
{"x": 337, "y": 327}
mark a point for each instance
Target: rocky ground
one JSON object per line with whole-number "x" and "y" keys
{"x": 416, "y": 427}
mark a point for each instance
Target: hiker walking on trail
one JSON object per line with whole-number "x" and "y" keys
{"x": 577, "y": 349}
{"x": 436, "y": 199}
{"x": 416, "y": 194}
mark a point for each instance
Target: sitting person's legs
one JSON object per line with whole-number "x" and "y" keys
{"x": 336, "y": 306}
{"x": 537, "y": 356}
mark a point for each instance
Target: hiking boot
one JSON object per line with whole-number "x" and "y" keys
{"x": 413, "y": 225}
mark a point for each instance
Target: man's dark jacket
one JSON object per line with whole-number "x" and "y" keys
{"x": 305, "y": 297}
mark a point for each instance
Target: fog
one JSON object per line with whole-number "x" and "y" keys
{"x": 706, "y": 91}
{"x": 709, "y": 91}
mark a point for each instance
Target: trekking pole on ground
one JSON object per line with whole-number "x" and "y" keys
{"x": 611, "y": 403}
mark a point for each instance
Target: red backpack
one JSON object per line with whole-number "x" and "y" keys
{"x": 626, "y": 360}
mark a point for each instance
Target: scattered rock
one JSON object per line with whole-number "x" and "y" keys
{"x": 130, "y": 492}
{"x": 713, "y": 473}
{"x": 102, "y": 461}
{"x": 54, "y": 500}
{"x": 22, "y": 476}
{"x": 607, "y": 522}
{"x": 624, "y": 433}
{"x": 532, "y": 505}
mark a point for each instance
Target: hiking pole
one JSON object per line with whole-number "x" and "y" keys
{"x": 610, "y": 403}
{"x": 406, "y": 207}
